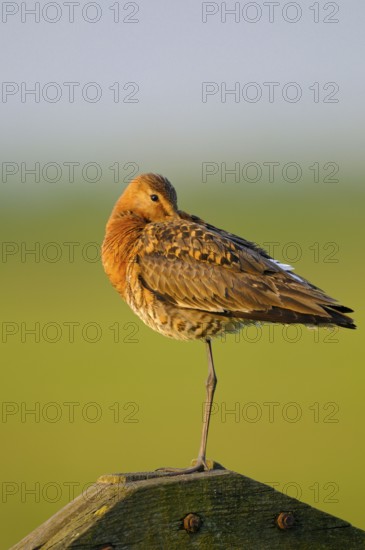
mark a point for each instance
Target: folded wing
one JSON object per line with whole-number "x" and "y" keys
{"x": 195, "y": 265}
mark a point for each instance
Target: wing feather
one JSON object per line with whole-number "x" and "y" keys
{"x": 197, "y": 266}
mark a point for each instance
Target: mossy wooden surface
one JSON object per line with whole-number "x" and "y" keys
{"x": 147, "y": 511}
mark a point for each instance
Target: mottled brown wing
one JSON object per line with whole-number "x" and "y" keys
{"x": 195, "y": 266}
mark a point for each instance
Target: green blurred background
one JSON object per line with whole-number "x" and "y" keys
{"x": 116, "y": 396}
{"x": 138, "y": 396}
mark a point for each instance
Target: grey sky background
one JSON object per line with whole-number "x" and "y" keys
{"x": 169, "y": 53}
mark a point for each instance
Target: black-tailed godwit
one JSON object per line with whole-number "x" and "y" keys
{"x": 189, "y": 280}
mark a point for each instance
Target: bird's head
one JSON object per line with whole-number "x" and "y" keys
{"x": 150, "y": 196}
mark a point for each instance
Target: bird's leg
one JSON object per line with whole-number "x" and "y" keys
{"x": 210, "y": 384}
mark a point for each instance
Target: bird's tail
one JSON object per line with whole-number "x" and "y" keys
{"x": 333, "y": 315}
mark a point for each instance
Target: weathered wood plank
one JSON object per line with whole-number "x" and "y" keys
{"x": 230, "y": 511}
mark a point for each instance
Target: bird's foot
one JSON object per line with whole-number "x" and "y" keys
{"x": 200, "y": 464}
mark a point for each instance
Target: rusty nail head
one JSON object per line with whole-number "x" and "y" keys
{"x": 192, "y": 523}
{"x": 285, "y": 520}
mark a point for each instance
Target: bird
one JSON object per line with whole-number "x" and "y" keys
{"x": 190, "y": 280}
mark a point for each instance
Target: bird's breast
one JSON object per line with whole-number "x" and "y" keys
{"x": 120, "y": 250}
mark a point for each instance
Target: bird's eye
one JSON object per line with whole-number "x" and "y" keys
{"x": 154, "y": 198}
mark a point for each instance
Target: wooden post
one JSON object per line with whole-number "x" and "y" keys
{"x": 218, "y": 509}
